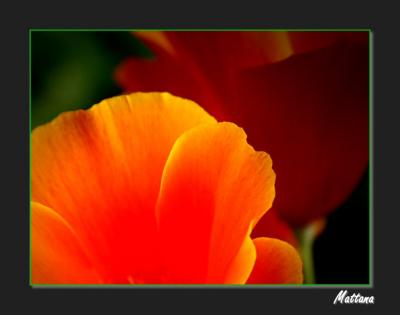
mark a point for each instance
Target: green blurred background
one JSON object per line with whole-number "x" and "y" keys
{"x": 75, "y": 69}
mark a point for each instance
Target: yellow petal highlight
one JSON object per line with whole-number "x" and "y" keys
{"x": 243, "y": 264}
{"x": 277, "y": 263}
{"x": 57, "y": 255}
{"x": 213, "y": 186}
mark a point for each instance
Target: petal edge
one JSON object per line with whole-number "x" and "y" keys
{"x": 277, "y": 263}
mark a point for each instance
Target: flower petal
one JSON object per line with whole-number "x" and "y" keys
{"x": 277, "y": 263}
{"x": 157, "y": 39}
{"x": 165, "y": 73}
{"x": 310, "y": 112}
{"x": 160, "y": 74}
{"x": 213, "y": 186}
{"x": 100, "y": 169}
{"x": 302, "y": 42}
{"x": 208, "y": 49}
{"x": 196, "y": 65}
{"x": 242, "y": 265}
{"x": 57, "y": 255}
{"x": 246, "y": 49}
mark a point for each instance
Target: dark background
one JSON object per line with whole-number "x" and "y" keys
{"x": 71, "y": 70}
{"x": 341, "y": 252}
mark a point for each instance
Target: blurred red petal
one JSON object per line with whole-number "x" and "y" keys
{"x": 302, "y": 42}
{"x": 166, "y": 74}
{"x": 208, "y": 49}
{"x": 310, "y": 110}
{"x": 311, "y": 113}
{"x": 271, "y": 225}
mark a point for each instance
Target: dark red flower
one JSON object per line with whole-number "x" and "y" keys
{"x": 301, "y": 96}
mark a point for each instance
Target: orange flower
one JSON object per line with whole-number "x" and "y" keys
{"x": 301, "y": 96}
{"x": 149, "y": 188}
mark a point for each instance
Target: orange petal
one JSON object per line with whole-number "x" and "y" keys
{"x": 100, "y": 169}
{"x": 242, "y": 265}
{"x": 213, "y": 186}
{"x": 57, "y": 254}
{"x": 277, "y": 263}
{"x": 310, "y": 112}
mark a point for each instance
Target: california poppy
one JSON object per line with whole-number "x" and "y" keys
{"x": 301, "y": 96}
{"x": 149, "y": 188}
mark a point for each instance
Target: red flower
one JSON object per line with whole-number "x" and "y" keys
{"x": 301, "y": 96}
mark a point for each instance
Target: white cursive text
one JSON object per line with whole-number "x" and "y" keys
{"x": 343, "y": 297}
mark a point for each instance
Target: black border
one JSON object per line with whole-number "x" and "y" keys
{"x": 15, "y": 54}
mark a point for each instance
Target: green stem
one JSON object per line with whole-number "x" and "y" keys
{"x": 306, "y": 239}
